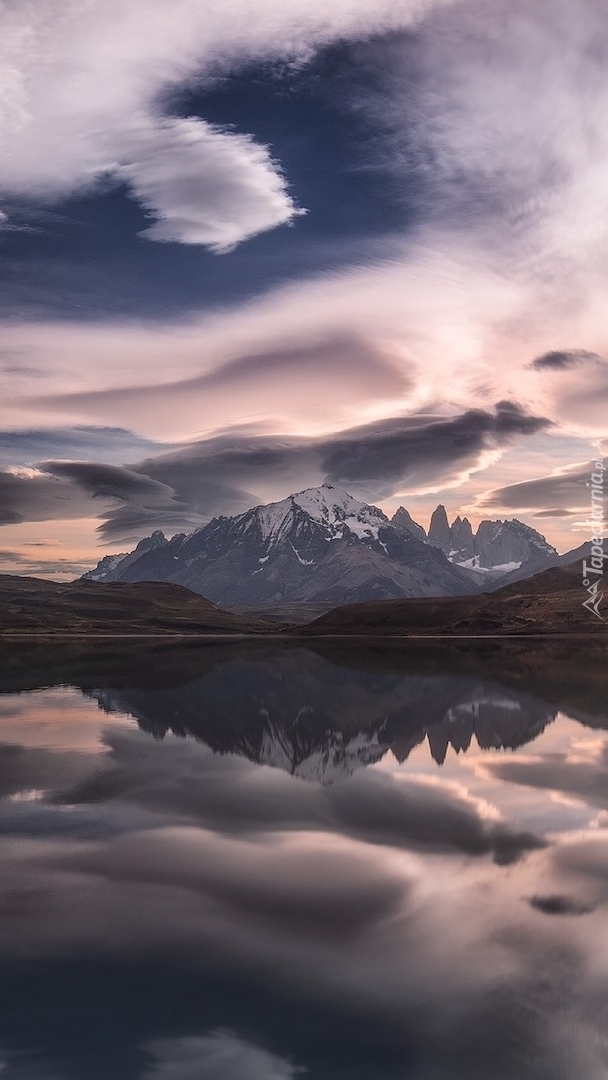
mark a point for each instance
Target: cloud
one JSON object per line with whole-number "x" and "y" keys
{"x": 108, "y": 481}
{"x": 498, "y": 110}
{"x": 276, "y": 885}
{"x": 415, "y": 318}
{"x": 205, "y": 186}
{"x": 31, "y": 768}
{"x": 581, "y": 400}
{"x": 71, "y": 490}
{"x": 324, "y": 379}
{"x": 146, "y": 502}
{"x": 562, "y": 359}
{"x": 580, "y": 778}
{"x": 228, "y": 474}
{"x": 502, "y": 260}
{"x": 575, "y": 388}
{"x": 414, "y": 452}
{"x": 564, "y": 492}
{"x": 220, "y": 1055}
{"x": 34, "y": 495}
{"x": 423, "y": 817}
{"x": 84, "y": 94}
{"x": 560, "y": 905}
{"x": 555, "y": 512}
{"x": 507, "y": 104}
{"x": 373, "y": 808}
{"x": 375, "y": 460}
{"x": 18, "y": 562}
{"x": 26, "y": 446}
{"x": 250, "y": 925}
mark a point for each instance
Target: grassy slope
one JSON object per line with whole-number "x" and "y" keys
{"x": 549, "y": 603}
{"x": 31, "y": 605}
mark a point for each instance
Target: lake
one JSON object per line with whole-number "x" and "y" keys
{"x": 263, "y": 861}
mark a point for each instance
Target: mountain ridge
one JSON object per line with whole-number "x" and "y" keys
{"x": 550, "y": 602}
{"x": 317, "y": 545}
{"x": 322, "y": 545}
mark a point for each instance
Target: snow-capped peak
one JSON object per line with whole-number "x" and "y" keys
{"x": 327, "y": 506}
{"x": 330, "y": 505}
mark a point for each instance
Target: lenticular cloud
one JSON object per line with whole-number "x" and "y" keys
{"x": 205, "y": 186}
{"x": 83, "y": 88}
{"x": 218, "y": 1055}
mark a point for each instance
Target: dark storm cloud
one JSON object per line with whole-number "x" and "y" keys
{"x": 562, "y": 359}
{"x": 58, "y": 490}
{"x": 38, "y": 496}
{"x": 108, "y": 481}
{"x": 396, "y": 450}
{"x": 560, "y": 905}
{"x": 371, "y": 459}
{"x": 183, "y": 489}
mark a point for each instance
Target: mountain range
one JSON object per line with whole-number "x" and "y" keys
{"x": 496, "y": 550}
{"x": 324, "y": 546}
{"x": 550, "y": 602}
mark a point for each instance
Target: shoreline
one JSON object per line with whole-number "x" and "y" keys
{"x": 279, "y": 635}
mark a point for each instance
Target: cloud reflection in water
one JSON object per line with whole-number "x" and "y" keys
{"x": 173, "y": 907}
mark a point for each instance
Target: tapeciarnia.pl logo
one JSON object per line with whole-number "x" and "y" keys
{"x": 593, "y": 571}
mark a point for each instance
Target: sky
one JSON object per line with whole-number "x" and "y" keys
{"x": 248, "y": 250}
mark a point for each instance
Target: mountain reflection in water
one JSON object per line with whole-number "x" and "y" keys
{"x": 299, "y": 712}
{"x": 415, "y": 890}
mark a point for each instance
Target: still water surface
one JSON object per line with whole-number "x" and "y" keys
{"x": 266, "y": 862}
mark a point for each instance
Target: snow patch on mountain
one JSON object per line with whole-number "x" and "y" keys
{"x": 335, "y": 760}
{"x": 274, "y": 520}
{"x": 104, "y": 567}
{"x": 303, "y": 562}
{"x": 473, "y": 564}
{"x": 328, "y": 506}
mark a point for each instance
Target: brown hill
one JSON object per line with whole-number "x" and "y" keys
{"x": 548, "y": 603}
{"x": 34, "y": 606}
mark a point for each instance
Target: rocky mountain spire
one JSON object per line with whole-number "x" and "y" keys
{"x": 510, "y": 542}
{"x": 402, "y": 519}
{"x": 462, "y": 539}
{"x": 439, "y": 530}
